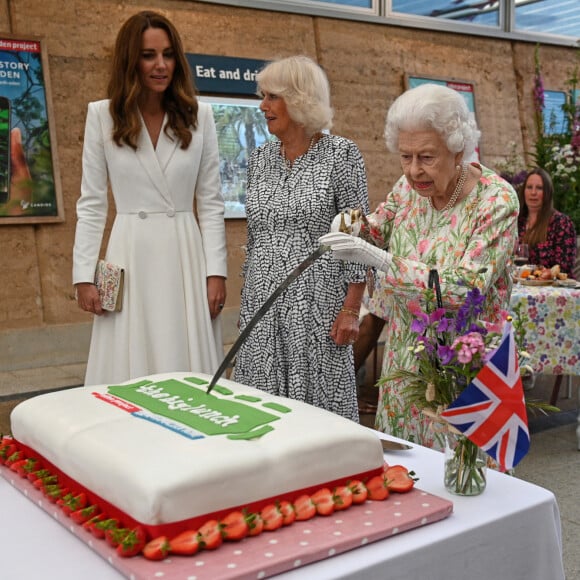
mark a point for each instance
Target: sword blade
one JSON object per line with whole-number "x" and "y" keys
{"x": 306, "y": 263}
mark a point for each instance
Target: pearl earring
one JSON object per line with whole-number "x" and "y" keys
{"x": 457, "y": 167}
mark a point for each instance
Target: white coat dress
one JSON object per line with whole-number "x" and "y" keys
{"x": 165, "y": 324}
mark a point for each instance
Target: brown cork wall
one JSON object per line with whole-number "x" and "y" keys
{"x": 366, "y": 64}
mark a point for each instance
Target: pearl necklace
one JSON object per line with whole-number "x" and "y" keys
{"x": 458, "y": 189}
{"x": 287, "y": 162}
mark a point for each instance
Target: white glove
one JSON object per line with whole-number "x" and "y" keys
{"x": 346, "y": 247}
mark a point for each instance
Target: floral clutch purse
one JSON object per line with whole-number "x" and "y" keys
{"x": 109, "y": 280}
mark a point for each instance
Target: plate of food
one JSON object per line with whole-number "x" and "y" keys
{"x": 541, "y": 276}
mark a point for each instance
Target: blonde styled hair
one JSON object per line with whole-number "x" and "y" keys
{"x": 433, "y": 107}
{"x": 304, "y": 87}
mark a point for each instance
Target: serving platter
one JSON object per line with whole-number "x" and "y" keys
{"x": 568, "y": 283}
{"x": 535, "y": 282}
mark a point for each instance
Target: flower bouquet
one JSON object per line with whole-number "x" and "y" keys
{"x": 453, "y": 351}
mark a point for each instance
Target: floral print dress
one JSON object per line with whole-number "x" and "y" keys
{"x": 473, "y": 241}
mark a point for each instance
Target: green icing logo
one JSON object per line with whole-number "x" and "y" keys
{"x": 192, "y": 406}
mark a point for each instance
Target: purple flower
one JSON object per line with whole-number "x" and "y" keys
{"x": 469, "y": 310}
{"x": 419, "y": 325}
{"x": 539, "y": 93}
{"x": 446, "y": 354}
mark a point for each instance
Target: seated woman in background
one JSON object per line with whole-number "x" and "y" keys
{"x": 549, "y": 233}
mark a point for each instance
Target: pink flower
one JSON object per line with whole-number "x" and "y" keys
{"x": 415, "y": 308}
{"x": 467, "y": 346}
{"x": 423, "y": 246}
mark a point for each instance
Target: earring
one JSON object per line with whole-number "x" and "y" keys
{"x": 457, "y": 167}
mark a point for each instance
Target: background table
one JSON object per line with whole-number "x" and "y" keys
{"x": 552, "y": 333}
{"x": 510, "y": 531}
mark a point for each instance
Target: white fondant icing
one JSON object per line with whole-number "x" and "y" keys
{"x": 157, "y": 476}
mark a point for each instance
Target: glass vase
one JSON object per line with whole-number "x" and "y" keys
{"x": 465, "y": 466}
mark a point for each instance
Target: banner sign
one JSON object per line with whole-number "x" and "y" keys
{"x": 224, "y": 74}
{"x": 29, "y": 180}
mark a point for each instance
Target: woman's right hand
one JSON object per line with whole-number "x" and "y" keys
{"x": 350, "y": 249}
{"x": 88, "y": 298}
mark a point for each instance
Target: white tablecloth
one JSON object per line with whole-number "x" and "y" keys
{"x": 510, "y": 532}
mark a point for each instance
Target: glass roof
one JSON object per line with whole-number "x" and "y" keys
{"x": 561, "y": 17}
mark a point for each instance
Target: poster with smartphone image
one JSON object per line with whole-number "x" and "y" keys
{"x": 4, "y": 149}
{"x": 29, "y": 179}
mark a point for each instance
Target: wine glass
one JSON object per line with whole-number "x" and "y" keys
{"x": 521, "y": 257}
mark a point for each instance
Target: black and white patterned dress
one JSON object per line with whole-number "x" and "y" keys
{"x": 290, "y": 351}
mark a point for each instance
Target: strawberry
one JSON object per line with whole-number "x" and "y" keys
{"x": 156, "y": 549}
{"x": 54, "y": 492}
{"x": 323, "y": 501}
{"x": 132, "y": 543}
{"x": 255, "y": 523}
{"x": 38, "y": 474}
{"x": 41, "y": 482}
{"x": 24, "y": 466}
{"x": 359, "y": 491}
{"x": 30, "y": 466}
{"x": 185, "y": 544}
{"x": 377, "y": 488}
{"x": 18, "y": 467}
{"x": 399, "y": 479}
{"x": 88, "y": 524}
{"x": 287, "y": 511}
{"x": 272, "y": 516}
{"x": 84, "y": 514}
{"x": 63, "y": 500}
{"x": 113, "y": 536}
{"x": 342, "y": 497}
{"x": 304, "y": 508}
{"x": 7, "y": 448}
{"x": 210, "y": 536}
{"x": 100, "y": 527}
{"x": 13, "y": 457}
{"x": 234, "y": 526}
{"x": 72, "y": 503}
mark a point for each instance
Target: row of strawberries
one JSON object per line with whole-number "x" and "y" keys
{"x": 233, "y": 527}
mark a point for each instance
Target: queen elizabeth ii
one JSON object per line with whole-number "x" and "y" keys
{"x": 446, "y": 213}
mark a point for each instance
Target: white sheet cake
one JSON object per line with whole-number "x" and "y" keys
{"x": 162, "y": 450}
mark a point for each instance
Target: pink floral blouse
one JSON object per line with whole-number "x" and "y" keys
{"x": 470, "y": 245}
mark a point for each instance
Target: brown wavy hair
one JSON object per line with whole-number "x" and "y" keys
{"x": 539, "y": 232}
{"x": 179, "y": 100}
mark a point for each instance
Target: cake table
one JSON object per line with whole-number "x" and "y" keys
{"x": 511, "y": 531}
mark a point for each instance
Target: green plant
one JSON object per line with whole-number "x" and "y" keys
{"x": 559, "y": 153}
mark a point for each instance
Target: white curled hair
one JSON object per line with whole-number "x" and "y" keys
{"x": 304, "y": 87}
{"x": 433, "y": 107}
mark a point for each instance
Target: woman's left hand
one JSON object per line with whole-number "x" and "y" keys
{"x": 344, "y": 331}
{"x": 216, "y": 294}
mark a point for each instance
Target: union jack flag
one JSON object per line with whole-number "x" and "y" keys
{"x": 491, "y": 410}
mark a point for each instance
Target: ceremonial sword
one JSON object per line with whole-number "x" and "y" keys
{"x": 306, "y": 263}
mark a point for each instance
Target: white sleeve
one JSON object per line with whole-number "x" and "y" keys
{"x": 92, "y": 205}
{"x": 209, "y": 200}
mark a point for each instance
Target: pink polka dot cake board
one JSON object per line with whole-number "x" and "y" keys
{"x": 270, "y": 553}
